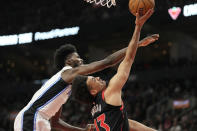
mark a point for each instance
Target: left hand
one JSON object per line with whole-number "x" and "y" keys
{"x": 90, "y": 127}
{"x": 140, "y": 20}
{"x": 148, "y": 40}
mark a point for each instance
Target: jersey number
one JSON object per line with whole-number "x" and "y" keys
{"x": 101, "y": 119}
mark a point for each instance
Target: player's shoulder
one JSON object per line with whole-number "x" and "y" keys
{"x": 66, "y": 68}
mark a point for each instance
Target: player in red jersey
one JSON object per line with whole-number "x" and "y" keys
{"x": 108, "y": 108}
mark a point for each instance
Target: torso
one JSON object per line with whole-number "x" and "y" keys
{"x": 50, "y": 97}
{"x": 108, "y": 117}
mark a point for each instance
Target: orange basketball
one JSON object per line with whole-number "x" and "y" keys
{"x": 140, "y": 6}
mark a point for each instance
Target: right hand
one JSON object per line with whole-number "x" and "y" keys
{"x": 148, "y": 40}
{"x": 140, "y": 20}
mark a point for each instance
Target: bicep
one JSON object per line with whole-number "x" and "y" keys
{"x": 113, "y": 91}
{"x": 119, "y": 79}
{"x": 117, "y": 82}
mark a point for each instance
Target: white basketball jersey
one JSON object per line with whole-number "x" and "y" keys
{"x": 50, "y": 97}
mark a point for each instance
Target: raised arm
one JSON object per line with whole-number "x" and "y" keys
{"x": 93, "y": 67}
{"x": 109, "y": 61}
{"x": 113, "y": 92}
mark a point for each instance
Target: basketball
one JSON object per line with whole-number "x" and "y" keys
{"x": 140, "y": 6}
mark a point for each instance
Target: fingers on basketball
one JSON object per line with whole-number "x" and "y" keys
{"x": 137, "y": 15}
{"x": 149, "y": 13}
{"x": 113, "y": 2}
{"x": 140, "y": 6}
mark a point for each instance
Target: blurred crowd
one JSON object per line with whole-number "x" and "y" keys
{"x": 152, "y": 104}
{"x": 44, "y": 15}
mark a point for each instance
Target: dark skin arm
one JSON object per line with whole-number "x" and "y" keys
{"x": 57, "y": 123}
{"x": 54, "y": 120}
{"x": 109, "y": 61}
{"x": 148, "y": 40}
{"x": 93, "y": 67}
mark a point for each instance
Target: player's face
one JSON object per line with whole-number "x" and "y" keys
{"x": 96, "y": 84}
{"x": 75, "y": 59}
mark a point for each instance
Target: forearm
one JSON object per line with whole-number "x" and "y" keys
{"x": 143, "y": 42}
{"x": 125, "y": 66}
{"x": 116, "y": 57}
{"x": 136, "y": 126}
{"x": 132, "y": 47}
{"x": 54, "y": 120}
{"x": 57, "y": 123}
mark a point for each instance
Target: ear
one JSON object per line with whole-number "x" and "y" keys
{"x": 69, "y": 61}
{"x": 93, "y": 92}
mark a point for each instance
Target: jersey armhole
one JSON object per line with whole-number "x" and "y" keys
{"x": 103, "y": 96}
{"x": 122, "y": 107}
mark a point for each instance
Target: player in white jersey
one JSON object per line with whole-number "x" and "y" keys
{"x": 55, "y": 92}
{"x": 44, "y": 104}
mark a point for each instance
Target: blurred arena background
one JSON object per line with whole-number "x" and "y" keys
{"x": 162, "y": 89}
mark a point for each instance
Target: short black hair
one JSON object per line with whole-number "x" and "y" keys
{"x": 80, "y": 90}
{"x": 62, "y": 53}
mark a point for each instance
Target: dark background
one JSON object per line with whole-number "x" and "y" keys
{"x": 162, "y": 72}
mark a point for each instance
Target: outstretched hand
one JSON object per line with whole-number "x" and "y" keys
{"x": 148, "y": 40}
{"x": 140, "y": 20}
{"x": 90, "y": 127}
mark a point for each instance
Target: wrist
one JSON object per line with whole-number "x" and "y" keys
{"x": 138, "y": 27}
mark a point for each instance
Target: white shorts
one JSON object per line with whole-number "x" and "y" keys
{"x": 40, "y": 124}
